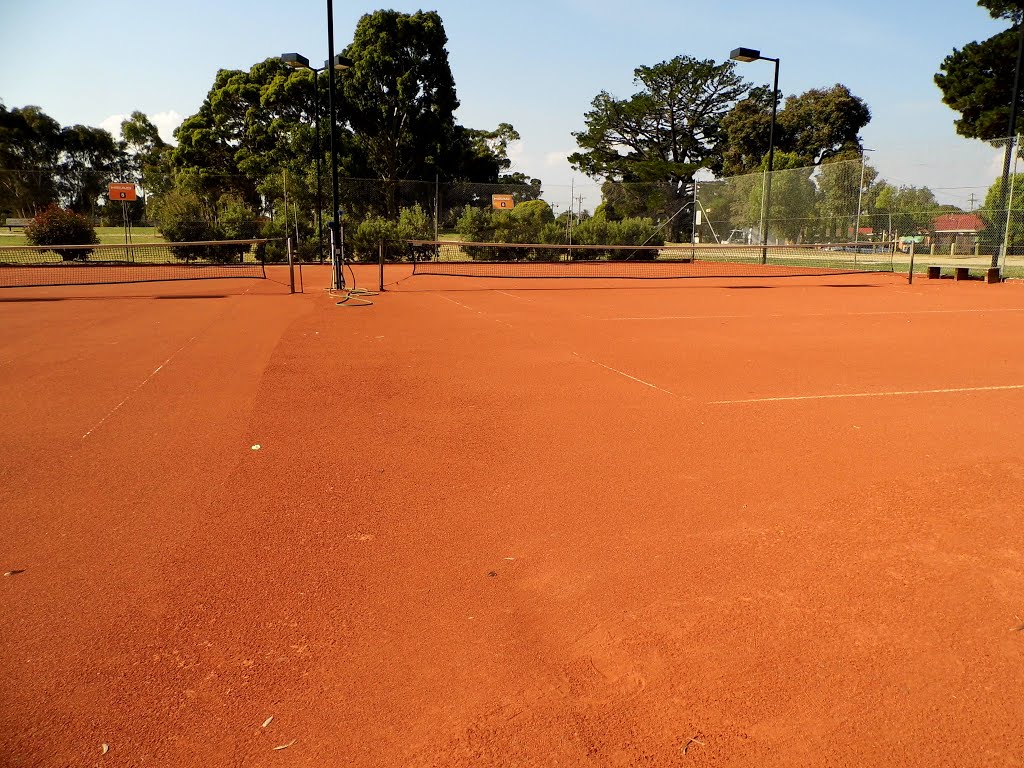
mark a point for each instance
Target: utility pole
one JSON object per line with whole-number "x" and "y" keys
{"x": 568, "y": 223}
{"x": 693, "y": 216}
{"x": 860, "y": 197}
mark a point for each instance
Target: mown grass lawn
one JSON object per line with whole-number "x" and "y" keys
{"x": 107, "y": 235}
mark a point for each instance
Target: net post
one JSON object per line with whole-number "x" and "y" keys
{"x": 337, "y": 266}
{"x": 381, "y": 286}
{"x": 341, "y": 253}
{"x": 291, "y": 267}
{"x": 910, "y": 273}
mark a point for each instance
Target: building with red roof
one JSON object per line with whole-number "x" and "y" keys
{"x": 957, "y": 232}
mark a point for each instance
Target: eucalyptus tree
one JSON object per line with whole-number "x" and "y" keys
{"x": 977, "y": 80}
{"x": 663, "y": 134}
{"x": 29, "y": 151}
{"x": 817, "y": 125}
{"x": 89, "y": 160}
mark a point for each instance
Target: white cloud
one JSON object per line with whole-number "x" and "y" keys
{"x": 554, "y": 159}
{"x": 113, "y": 124}
{"x": 165, "y": 123}
{"x": 995, "y": 168}
{"x": 517, "y": 152}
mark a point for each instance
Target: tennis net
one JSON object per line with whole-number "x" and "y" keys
{"x": 467, "y": 259}
{"x": 36, "y": 266}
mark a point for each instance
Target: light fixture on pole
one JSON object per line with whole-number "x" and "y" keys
{"x": 298, "y": 61}
{"x": 748, "y": 55}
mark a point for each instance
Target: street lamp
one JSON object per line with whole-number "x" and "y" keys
{"x": 333, "y": 63}
{"x": 748, "y": 55}
{"x": 298, "y": 61}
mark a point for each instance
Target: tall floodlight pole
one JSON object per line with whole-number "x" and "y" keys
{"x": 299, "y": 61}
{"x": 1011, "y": 141}
{"x": 333, "y": 63}
{"x": 337, "y": 268}
{"x": 319, "y": 159}
{"x": 747, "y": 55}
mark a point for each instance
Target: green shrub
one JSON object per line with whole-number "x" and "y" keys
{"x": 533, "y": 222}
{"x": 553, "y": 232}
{"x": 58, "y": 226}
{"x": 277, "y": 249}
{"x": 414, "y": 224}
{"x": 530, "y": 218}
{"x": 529, "y": 222}
{"x": 364, "y": 240}
{"x": 592, "y": 231}
{"x": 181, "y": 217}
{"x": 237, "y": 221}
{"x": 634, "y": 231}
{"x": 475, "y": 225}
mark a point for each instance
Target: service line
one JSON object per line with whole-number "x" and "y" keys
{"x": 623, "y": 373}
{"x": 145, "y": 381}
{"x": 512, "y": 295}
{"x": 821, "y": 314}
{"x": 460, "y": 304}
{"x": 870, "y": 394}
{"x": 478, "y": 311}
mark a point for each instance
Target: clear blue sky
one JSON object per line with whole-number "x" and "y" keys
{"x": 534, "y": 63}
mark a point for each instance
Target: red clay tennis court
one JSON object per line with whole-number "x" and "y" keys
{"x": 513, "y": 522}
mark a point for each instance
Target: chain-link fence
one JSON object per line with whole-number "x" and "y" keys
{"x": 955, "y": 207}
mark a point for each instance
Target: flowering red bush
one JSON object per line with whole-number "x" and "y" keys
{"x": 57, "y": 226}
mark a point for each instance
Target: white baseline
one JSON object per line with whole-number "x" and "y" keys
{"x": 870, "y": 394}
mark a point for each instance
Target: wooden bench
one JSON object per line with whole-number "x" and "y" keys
{"x": 963, "y": 273}
{"x": 11, "y": 224}
{"x": 959, "y": 273}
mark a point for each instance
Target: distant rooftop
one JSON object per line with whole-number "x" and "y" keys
{"x": 958, "y": 222}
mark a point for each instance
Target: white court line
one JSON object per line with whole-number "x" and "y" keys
{"x": 145, "y": 381}
{"x": 160, "y": 367}
{"x": 623, "y": 373}
{"x": 478, "y": 311}
{"x": 521, "y": 298}
{"x": 870, "y": 394}
{"x": 459, "y": 303}
{"x": 822, "y": 314}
